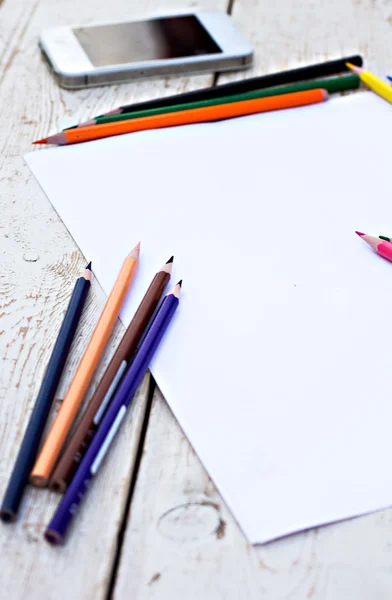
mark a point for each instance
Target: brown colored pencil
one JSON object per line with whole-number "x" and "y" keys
{"x": 95, "y": 410}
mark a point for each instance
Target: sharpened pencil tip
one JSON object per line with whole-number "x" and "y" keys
{"x": 360, "y": 233}
{"x": 43, "y": 141}
{"x": 89, "y": 266}
{"x": 177, "y": 289}
{"x": 354, "y": 69}
{"x": 170, "y": 260}
{"x": 134, "y": 253}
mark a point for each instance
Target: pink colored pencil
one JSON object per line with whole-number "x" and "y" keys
{"x": 382, "y": 247}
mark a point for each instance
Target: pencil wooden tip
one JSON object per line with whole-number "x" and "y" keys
{"x": 371, "y": 240}
{"x": 87, "y": 272}
{"x": 167, "y": 267}
{"x": 135, "y": 252}
{"x": 43, "y": 141}
{"x": 177, "y": 289}
{"x": 353, "y": 68}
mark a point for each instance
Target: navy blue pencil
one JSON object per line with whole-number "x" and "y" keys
{"x": 32, "y": 437}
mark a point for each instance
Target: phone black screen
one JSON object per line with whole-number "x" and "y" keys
{"x": 173, "y": 37}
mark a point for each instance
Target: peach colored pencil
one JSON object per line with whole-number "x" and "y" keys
{"x": 61, "y": 427}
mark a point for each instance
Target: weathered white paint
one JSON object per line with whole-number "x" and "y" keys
{"x": 181, "y": 540}
{"x": 39, "y": 263}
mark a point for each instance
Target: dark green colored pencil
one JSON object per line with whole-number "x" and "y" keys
{"x": 324, "y": 69}
{"x": 333, "y": 86}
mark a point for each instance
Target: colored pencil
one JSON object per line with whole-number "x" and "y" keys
{"x": 54, "y": 443}
{"x": 382, "y": 247}
{"x": 324, "y": 69}
{"x": 389, "y": 78}
{"x": 332, "y": 86}
{"x": 377, "y": 85}
{"x": 32, "y": 437}
{"x": 85, "y": 431}
{"x": 385, "y": 238}
{"x": 187, "y": 117}
{"x": 112, "y": 420}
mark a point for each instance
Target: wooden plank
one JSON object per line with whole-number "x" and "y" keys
{"x": 292, "y": 33}
{"x": 181, "y": 540}
{"x": 180, "y": 537}
{"x": 39, "y": 263}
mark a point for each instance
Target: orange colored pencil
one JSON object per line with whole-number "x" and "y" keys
{"x": 61, "y": 427}
{"x": 187, "y": 117}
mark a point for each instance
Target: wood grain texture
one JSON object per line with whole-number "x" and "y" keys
{"x": 39, "y": 263}
{"x": 181, "y": 541}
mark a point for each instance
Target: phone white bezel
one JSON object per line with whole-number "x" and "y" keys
{"x": 68, "y": 59}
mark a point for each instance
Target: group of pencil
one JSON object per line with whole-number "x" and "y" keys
{"x": 288, "y": 89}
{"x": 67, "y": 464}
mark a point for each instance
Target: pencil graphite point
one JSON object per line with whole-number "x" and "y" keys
{"x": 89, "y": 266}
{"x": 180, "y": 283}
{"x": 170, "y": 260}
{"x": 42, "y": 141}
{"x": 360, "y": 233}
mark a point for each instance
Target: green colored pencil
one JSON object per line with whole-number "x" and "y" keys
{"x": 333, "y": 85}
{"x": 385, "y": 238}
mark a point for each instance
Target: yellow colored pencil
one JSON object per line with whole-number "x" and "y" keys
{"x": 377, "y": 85}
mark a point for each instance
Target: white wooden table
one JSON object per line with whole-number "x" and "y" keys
{"x": 154, "y": 526}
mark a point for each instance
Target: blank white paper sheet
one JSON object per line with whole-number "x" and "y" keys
{"x": 278, "y": 363}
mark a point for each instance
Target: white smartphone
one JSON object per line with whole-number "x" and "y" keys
{"x": 117, "y": 52}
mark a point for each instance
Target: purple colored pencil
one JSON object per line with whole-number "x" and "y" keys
{"x": 111, "y": 422}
